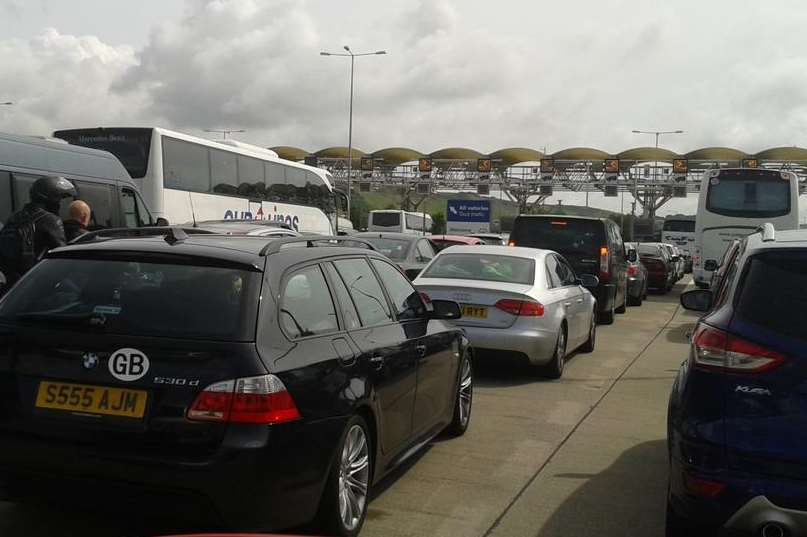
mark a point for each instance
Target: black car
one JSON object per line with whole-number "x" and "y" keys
{"x": 410, "y": 252}
{"x": 591, "y": 245}
{"x": 637, "y": 276}
{"x": 267, "y": 382}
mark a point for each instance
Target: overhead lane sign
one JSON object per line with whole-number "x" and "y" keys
{"x": 468, "y": 216}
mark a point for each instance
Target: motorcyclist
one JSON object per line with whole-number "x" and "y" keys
{"x": 36, "y": 228}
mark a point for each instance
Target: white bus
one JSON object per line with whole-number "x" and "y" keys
{"x": 679, "y": 230}
{"x": 392, "y": 221}
{"x": 734, "y": 203}
{"x": 184, "y": 178}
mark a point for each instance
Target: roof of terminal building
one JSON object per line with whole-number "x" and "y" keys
{"x": 784, "y": 154}
{"x": 503, "y": 158}
{"x": 716, "y": 153}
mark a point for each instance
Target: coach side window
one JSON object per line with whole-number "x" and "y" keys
{"x": 185, "y": 165}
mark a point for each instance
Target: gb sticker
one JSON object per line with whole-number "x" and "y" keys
{"x": 128, "y": 365}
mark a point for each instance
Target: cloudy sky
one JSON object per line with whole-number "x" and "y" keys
{"x": 472, "y": 73}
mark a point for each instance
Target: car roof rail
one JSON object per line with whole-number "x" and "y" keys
{"x": 768, "y": 232}
{"x": 172, "y": 234}
{"x": 314, "y": 241}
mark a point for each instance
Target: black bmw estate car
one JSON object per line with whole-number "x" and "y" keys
{"x": 267, "y": 382}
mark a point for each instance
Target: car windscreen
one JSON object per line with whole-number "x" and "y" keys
{"x": 748, "y": 194}
{"x": 492, "y": 268}
{"x": 681, "y": 226}
{"x": 130, "y": 145}
{"x": 395, "y": 249}
{"x": 567, "y": 236}
{"x": 137, "y": 298}
{"x": 386, "y": 219}
{"x": 773, "y": 292}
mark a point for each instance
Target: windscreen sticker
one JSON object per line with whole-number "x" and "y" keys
{"x": 107, "y": 310}
{"x": 128, "y": 365}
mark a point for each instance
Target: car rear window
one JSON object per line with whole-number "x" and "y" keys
{"x": 493, "y": 268}
{"x": 386, "y": 219}
{"x": 395, "y": 249}
{"x": 647, "y": 249}
{"x": 773, "y": 293}
{"x": 564, "y": 235}
{"x": 137, "y": 298}
{"x": 683, "y": 226}
{"x": 749, "y": 194}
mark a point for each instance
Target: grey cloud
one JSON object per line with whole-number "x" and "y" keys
{"x": 547, "y": 73}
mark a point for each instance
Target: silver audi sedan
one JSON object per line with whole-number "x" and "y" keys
{"x": 523, "y": 303}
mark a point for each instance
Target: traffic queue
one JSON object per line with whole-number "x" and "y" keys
{"x": 310, "y": 367}
{"x": 261, "y": 377}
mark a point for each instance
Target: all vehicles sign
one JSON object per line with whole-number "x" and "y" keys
{"x": 468, "y": 216}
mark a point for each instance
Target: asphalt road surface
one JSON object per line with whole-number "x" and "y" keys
{"x": 581, "y": 456}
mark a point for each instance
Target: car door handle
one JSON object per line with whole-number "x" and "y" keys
{"x": 579, "y": 300}
{"x": 377, "y": 361}
{"x": 567, "y": 304}
{"x": 421, "y": 350}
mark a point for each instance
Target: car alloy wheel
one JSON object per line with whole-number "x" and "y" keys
{"x": 560, "y": 351}
{"x": 554, "y": 369}
{"x": 466, "y": 393}
{"x": 354, "y": 478}
{"x": 464, "y": 398}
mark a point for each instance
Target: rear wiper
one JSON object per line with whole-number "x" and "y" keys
{"x": 91, "y": 318}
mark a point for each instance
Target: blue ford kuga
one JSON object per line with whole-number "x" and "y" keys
{"x": 738, "y": 409}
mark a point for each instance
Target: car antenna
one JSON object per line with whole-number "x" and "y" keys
{"x": 175, "y": 235}
{"x": 193, "y": 212}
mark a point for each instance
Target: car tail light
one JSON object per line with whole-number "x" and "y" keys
{"x": 716, "y": 349}
{"x": 605, "y": 259}
{"x": 262, "y": 399}
{"x": 702, "y": 488}
{"x": 425, "y": 298}
{"x": 522, "y": 308}
{"x": 633, "y": 270}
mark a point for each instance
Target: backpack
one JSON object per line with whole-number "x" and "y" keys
{"x": 17, "y": 243}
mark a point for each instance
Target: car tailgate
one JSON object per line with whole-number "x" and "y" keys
{"x": 477, "y": 299}
{"x": 115, "y": 394}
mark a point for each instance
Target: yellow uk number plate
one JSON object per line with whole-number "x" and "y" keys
{"x": 91, "y": 399}
{"x": 474, "y": 311}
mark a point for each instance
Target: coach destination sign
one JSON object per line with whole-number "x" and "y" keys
{"x": 468, "y": 216}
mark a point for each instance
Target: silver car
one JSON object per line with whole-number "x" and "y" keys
{"x": 516, "y": 302}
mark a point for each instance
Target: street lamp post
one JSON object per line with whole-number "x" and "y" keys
{"x": 225, "y": 132}
{"x": 352, "y": 57}
{"x": 657, "y": 133}
{"x": 655, "y": 168}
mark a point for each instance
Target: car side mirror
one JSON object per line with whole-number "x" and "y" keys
{"x": 162, "y": 222}
{"x": 632, "y": 257}
{"x": 675, "y": 257}
{"x": 588, "y": 281}
{"x": 710, "y": 265}
{"x": 445, "y": 309}
{"x": 697, "y": 300}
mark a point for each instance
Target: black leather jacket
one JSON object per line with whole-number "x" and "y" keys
{"x": 49, "y": 229}
{"x": 73, "y": 229}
